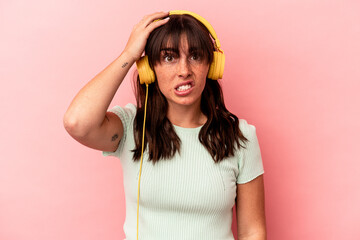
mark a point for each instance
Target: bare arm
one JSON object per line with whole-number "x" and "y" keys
{"x": 250, "y": 210}
{"x": 87, "y": 119}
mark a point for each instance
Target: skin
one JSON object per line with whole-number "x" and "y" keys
{"x": 174, "y": 69}
{"x": 250, "y": 210}
{"x": 98, "y": 129}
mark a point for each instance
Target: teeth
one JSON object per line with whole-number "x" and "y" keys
{"x": 184, "y": 87}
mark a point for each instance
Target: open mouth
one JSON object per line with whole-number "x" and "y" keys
{"x": 186, "y": 85}
{"x": 183, "y": 87}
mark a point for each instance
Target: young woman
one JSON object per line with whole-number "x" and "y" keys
{"x": 199, "y": 159}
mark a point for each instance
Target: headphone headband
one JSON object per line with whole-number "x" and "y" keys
{"x": 203, "y": 21}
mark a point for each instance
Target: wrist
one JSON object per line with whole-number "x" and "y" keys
{"x": 128, "y": 57}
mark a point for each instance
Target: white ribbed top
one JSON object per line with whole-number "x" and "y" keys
{"x": 190, "y": 196}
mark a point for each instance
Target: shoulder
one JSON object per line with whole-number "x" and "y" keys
{"x": 246, "y": 128}
{"x": 250, "y": 159}
{"x": 129, "y": 109}
{"x": 126, "y": 113}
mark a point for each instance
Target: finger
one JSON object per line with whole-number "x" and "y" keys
{"x": 150, "y": 18}
{"x": 156, "y": 24}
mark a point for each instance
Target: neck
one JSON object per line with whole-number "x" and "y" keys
{"x": 186, "y": 116}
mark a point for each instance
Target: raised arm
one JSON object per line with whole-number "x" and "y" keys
{"x": 87, "y": 119}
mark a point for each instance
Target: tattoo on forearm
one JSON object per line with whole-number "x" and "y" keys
{"x": 114, "y": 137}
{"x": 124, "y": 65}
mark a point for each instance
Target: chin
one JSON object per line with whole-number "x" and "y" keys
{"x": 187, "y": 102}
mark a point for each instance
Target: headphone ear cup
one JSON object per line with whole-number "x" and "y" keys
{"x": 217, "y": 66}
{"x": 146, "y": 74}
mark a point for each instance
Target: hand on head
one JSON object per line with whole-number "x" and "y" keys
{"x": 141, "y": 31}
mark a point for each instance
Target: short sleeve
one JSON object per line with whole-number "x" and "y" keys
{"x": 126, "y": 115}
{"x": 250, "y": 161}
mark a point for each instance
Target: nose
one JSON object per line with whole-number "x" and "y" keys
{"x": 184, "y": 68}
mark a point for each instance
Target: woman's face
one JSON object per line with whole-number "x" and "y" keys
{"x": 181, "y": 76}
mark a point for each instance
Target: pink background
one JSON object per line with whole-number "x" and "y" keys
{"x": 292, "y": 70}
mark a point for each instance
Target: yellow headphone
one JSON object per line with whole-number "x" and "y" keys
{"x": 147, "y": 76}
{"x": 216, "y": 70}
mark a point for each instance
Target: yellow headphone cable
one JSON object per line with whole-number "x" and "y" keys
{"x": 142, "y": 151}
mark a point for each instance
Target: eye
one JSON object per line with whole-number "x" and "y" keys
{"x": 195, "y": 57}
{"x": 168, "y": 58}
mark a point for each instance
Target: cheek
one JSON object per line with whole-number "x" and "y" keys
{"x": 204, "y": 72}
{"x": 161, "y": 77}
{"x": 162, "y": 72}
{"x": 164, "y": 75}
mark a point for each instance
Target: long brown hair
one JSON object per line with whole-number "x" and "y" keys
{"x": 220, "y": 135}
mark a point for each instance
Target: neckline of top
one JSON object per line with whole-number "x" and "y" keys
{"x": 183, "y": 129}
